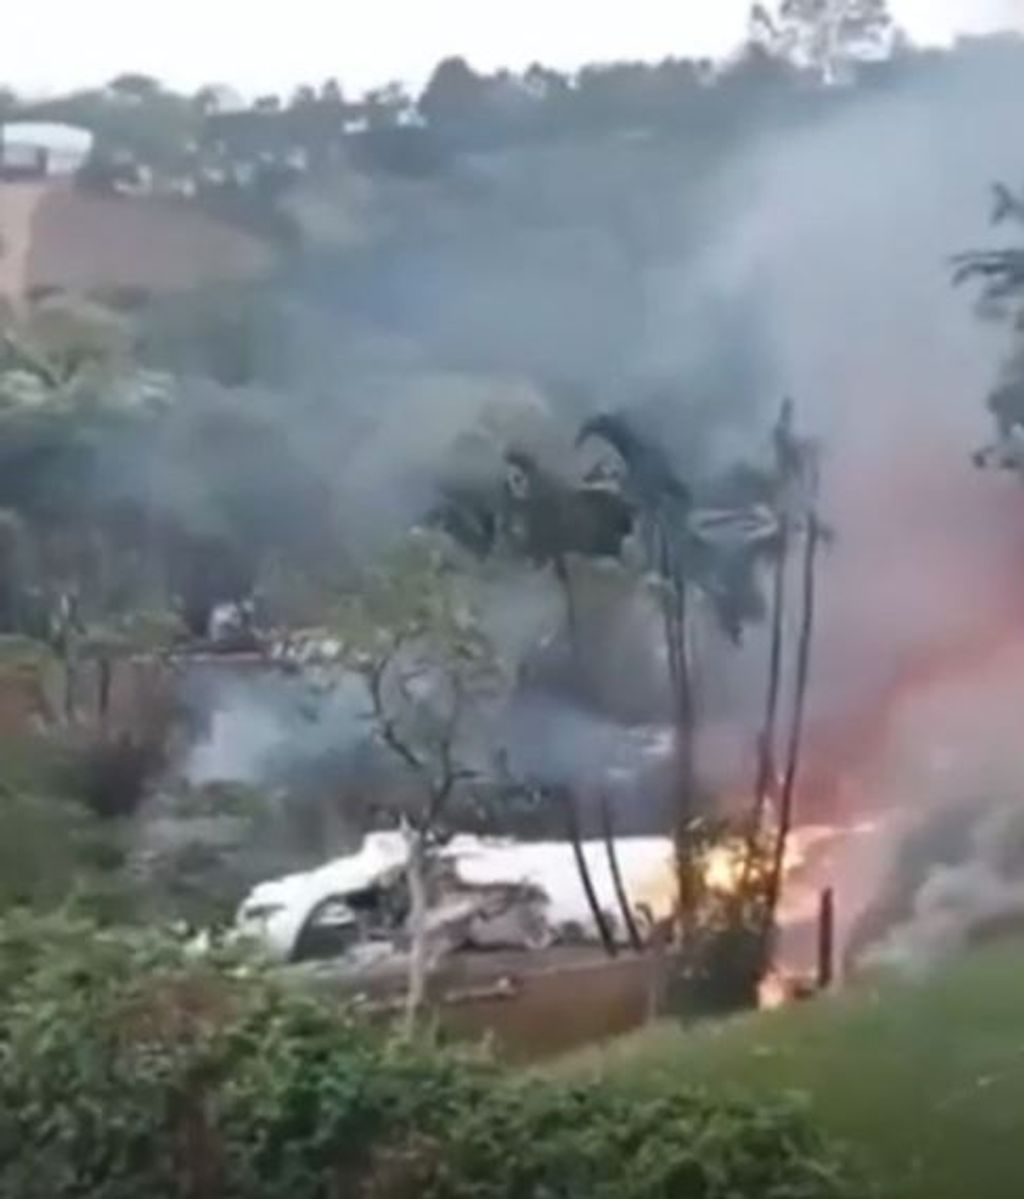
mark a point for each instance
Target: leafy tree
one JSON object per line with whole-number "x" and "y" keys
{"x": 719, "y": 550}
{"x": 546, "y": 84}
{"x": 134, "y": 86}
{"x": 638, "y": 95}
{"x": 825, "y": 36}
{"x": 215, "y": 98}
{"x": 454, "y": 94}
{"x": 431, "y": 677}
{"x": 387, "y": 106}
{"x": 136, "y": 123}
{"x": 207, "y": 487}
{"x": 999, "y": 272}
{"x": 69, "y": 396}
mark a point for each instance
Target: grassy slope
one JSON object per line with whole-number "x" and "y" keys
{"x": 924, "y": 1081}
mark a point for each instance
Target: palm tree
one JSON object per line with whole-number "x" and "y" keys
{"x": 1000, "y": 276}
{"x": 1000, "y": 272}
{"x": 714, "y": 541}
{"x": 663, "y": 504}
{"x": 549, "y": 521}
{"x": 713, "y": 550}
{"x": 796, "y": 485}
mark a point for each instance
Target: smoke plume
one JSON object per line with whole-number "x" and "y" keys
{"x": 528, "y": 288}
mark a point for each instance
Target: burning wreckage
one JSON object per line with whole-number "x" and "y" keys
{"x": 494, "y": 894}
{"x": 485, "y": 894}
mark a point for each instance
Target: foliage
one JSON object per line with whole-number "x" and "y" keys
{"x": 73, "y": 357}
{"x": 139, "y": 475}
{"x": 998, "y": 272}
{"x": 685, "y": 539}
{"x": 826, "y": 36}
{"x": 586, "y": 1141}
{"x": 56, "y": 846}
{"x": 132, "y": 490}
{"x": 201, "y": 849}
{"x": 135, "y": 122}
{"x": 73, "y": 404}
{"x": 429, "y": 670}
{"x": 922, "y": 1080}
{"x": 998, "y": 275}
{"x": 132, "y": 1066}
{"x": 140, "y": 630}
{"x": 240, "y": 159}
{"x": 19, "y": 653}
{"x": 723, "y": 953}
{"x": 50, "y": 849}
{"x": 430, "y": 675}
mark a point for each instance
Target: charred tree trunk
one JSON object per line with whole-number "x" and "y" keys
{"x": 766, "y": 739}
{"x": 676, "y": 615}
{"x": 572, "y": 623}
{"x": 572, "y": 823}
{"x": 626, "y": 908}
{"x": 803, "y": 666}
{"x": 766, "y": 779}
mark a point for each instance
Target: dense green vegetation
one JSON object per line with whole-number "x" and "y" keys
{"x": 131, "y": 1067}
{"x": 922, "y": 1080}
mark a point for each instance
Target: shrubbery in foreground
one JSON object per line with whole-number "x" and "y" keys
{"x": 130, "y": 1069}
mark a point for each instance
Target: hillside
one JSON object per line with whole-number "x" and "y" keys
{"x": 59, "y": 238}
{"x": 925, "y": 1081}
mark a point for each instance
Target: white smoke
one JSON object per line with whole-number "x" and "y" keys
{"x": 961, "y": 904}
{"x": 263, "y": 726}
{"x": 827, "y": 247}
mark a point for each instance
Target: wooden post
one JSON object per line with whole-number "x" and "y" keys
{"x": 659, "y": 942}
{"x": 826, "y": 939}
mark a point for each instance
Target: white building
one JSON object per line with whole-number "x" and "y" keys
{"x": 37, "y": 149}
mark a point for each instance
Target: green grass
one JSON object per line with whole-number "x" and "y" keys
{"x": 924, "y": 1082}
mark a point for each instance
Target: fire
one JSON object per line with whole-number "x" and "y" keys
{"x": 723, "y": 868}
{"x": 773, "y": 992}
{"x": 724, "y": 865}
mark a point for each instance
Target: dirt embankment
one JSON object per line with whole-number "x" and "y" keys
{"x": 54, "y": 236}
{"x": 18, "y": 205}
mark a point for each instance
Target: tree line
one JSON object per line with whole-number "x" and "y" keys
{"x": 241, "y": 155}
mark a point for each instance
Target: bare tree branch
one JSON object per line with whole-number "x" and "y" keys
{"x": 386, "y": 726}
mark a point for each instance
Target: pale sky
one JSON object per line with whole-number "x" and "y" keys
{"x": 258, "y": 45}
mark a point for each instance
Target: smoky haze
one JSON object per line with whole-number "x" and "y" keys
{"x": 435, "y": 321}
{"x": 811, "y": 262}
{"x": 846, "y": 242}
{"x": 917, "y": 675}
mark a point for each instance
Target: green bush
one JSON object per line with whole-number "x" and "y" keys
{"x": 53, "y": 852}
{"x": 61, "y": 838}
{"x": 131, "y": 1067}
{"x": 54, "y": 849}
